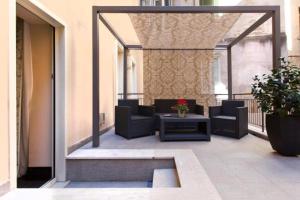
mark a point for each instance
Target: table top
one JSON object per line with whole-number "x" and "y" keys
{"x": 187, "y": 118}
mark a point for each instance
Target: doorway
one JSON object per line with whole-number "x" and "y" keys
{"x": 35, "y": 64}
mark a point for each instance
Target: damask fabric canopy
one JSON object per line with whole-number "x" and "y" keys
{"x": 188, "y": 30}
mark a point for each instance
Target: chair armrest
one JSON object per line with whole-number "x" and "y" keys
{"x": 214, "y": 111}
{"x": 242, "y": 114}
{"x": 122, "y": 113}
{"x": 199, "y": 109}
{"x": 146, "y": 110}
{"x": 242, "y": 119}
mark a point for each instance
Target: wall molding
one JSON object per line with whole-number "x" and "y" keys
{"x": 86, "y": 140}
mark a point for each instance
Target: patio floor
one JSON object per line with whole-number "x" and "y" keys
{"x": 239, "y": 169}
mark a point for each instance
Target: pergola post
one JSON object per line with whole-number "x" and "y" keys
{"x": 125, "y": 73}
{"x": 229, "y": 72}
{"x": 96, "y": 84}
{"x": 276, "y": 37}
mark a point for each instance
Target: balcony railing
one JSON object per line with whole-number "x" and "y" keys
{"x": 173, "y": 3}
{"x": 255, "y": 116}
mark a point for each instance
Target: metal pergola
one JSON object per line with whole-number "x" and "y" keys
{"x": 269, "y": 12}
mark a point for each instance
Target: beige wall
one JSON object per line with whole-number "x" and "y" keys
{"x": 108, "y": 57}
{"x": 40, "y": 138}
{"x": 4, "y": 140}
{"x": 77, "y": 17}
{"x": 79, "y": 58}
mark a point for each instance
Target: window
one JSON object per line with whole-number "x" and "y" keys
{"x": 156, "y": 2}
{"x": 168, "y": 2}
{"x": 206, "y": 2}
{"x": 146, "y": 2}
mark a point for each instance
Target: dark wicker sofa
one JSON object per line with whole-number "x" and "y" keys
{"x": 133, "y": 120}
{"x": 230, "y": 119}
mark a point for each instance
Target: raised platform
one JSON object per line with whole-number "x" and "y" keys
{"x": 194, "y": 182}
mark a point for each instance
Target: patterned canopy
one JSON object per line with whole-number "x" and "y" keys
{"x": 172, "y": 30}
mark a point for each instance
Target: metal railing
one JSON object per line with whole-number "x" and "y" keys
{"x": 255, "y": 116}
{"x": 139, "y": 96}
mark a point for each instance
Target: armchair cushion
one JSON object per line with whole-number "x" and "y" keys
{"x": 140, "y": 117}
{"x": 229, "y": 107}
{"x": 122, "y": 112}
{"x": 214, "y": 111}
{"x": 146, "y": 110}
{"x": 225, "y": 117}
{"x": 132, "y": 103}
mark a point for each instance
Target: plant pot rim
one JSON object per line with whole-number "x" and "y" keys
{"x": 285, "y": 116}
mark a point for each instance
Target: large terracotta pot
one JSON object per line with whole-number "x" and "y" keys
{"x": 284, "y": 134}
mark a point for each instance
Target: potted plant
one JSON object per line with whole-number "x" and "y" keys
{"x": 181, "y": 107}
{"x": 278, "y": 95}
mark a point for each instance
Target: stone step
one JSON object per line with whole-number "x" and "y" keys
{"x": 165, "y": 178}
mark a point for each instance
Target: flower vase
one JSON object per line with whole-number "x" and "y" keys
{"x": 181, "y": 114}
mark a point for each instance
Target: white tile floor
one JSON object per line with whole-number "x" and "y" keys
{"x": 239, "y": 169}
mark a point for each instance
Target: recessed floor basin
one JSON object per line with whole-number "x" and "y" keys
{"x": 110, "y": 184}
{"x": 122, "y": 173}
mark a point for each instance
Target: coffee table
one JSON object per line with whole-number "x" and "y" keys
{"x": 201, "y": 132}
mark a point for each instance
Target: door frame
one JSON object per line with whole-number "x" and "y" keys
{"x": 61, "y": 84}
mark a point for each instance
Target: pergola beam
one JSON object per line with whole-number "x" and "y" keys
{"x": 254, "y": 26}
{"x": 140, "y": 47}
{"x": 113, "y": 32}
{"x": 185, "y": 9}
{"x": 134, "y": 46}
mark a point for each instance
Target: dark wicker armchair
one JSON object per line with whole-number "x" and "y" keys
{"x": 230, "y": 119}
{"x": 133, "y": 120}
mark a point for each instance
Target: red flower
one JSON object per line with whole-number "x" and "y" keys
{"x": 181, "y": 102}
